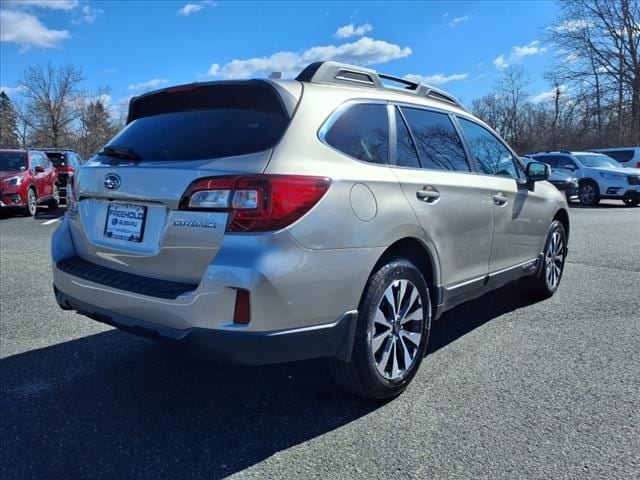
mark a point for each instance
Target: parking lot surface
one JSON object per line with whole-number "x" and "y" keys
{"x": 511, "y": 389}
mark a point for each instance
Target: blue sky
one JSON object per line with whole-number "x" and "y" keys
{"x": 134, "y": 46}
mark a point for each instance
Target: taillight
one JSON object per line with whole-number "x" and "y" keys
{"x": 64, "y": 169}
{"x": 256, "y": 203}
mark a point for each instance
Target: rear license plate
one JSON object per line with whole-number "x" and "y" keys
{"x": 125, "y": 222}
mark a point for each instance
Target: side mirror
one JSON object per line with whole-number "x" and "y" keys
{"x": 537, "y": 171}
{"x": 39, "y": 169}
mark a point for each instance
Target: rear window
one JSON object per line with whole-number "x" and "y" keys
{"x": 57, "y": 158}
{"x": 12, "y": 161}
{"x": 619, "y": 155}
{"x": 211, "y": 121}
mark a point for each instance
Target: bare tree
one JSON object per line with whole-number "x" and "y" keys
{"x": 51, "y": 102}
{"x": 598, "y": 54}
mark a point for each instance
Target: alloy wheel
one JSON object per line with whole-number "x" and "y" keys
{"x": 398, "y": 327}
{"x": 587, "y": 193}
{"x": 554, "y": 260}
{"x": 32, "y": 203}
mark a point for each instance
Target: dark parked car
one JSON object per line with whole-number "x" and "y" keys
{"x": 27, "y": 179}
{"x": 568, "y": 184}
{"x": 65, "y": 163}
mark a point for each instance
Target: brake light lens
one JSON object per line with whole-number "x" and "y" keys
{"x": 256, "y": 203}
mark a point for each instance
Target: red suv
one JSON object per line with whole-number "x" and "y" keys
{"x": 65, "y": 162}
{"x": 27, "y": 179}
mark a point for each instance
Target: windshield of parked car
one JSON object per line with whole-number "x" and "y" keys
{"x": 597, "y": 161}
{"x": 12, "y": 161}
{"x": 207, "y": 122}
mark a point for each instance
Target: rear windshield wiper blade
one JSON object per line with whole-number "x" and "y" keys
{"x": 127, "y": 153}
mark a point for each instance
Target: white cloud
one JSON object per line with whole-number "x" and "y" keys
{"x": 65, "y": 5}
{"x": 26, "y": 30}
{"x": 365, "y": 51}
{"x": 500, "y": 62}
{"x": 459, "y": 20}
{"x": 518, "y": 53}
{"x": 352, "y": 31}
{"x": 11, "y": 91}
{"x": 155, "y": 82}
{"x": 190, "y": 8}
{"x": 87, "y": 14}
{"x": 533, "y": 48}
{"x": 436, "y": 79}
{"x": 550, "y": 95}
{"x": 571, "y": 25}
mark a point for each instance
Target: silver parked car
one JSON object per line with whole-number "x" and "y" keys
{"x": 328, "y": 216}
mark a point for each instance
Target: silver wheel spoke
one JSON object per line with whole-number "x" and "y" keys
{"x": 408, "y": 359}
{"x": 381, "y": 320}
{"x": 382, "y": 364}
{"x": 395, "y": 370}
{"x": 413, "y": 337}
{"x": 378, "y": 340}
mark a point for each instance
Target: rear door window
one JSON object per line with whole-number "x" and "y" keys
{"x": 439, "y": 146}
{"x": 202, "y": 122}
{"x": 362, "y": 132}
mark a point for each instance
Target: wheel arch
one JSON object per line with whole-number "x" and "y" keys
{"x": 422, "y": 257}
{"x": 563, "y": 217}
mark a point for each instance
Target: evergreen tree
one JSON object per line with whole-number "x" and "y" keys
{"x": 8, "y": 123}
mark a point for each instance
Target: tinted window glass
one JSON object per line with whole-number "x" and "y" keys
{"x": 57, "y": 158}
{"x": 550, "y": 160}
{"x": 204, "y": 122}
{"x": 564, "y": 162}
{"x": 12, "y": 161}
{"x": 620, "y": 155}
{"x": 439, "y": 146}
{"x": 362, "y": 132}
{"x": 492, "y": 156}
{"x": 406, "y": 150}
{"x": 35, "y": 159}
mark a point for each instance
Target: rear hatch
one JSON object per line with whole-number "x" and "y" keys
{"x": 128, "y": 196}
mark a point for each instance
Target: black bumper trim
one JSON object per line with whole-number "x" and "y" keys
{"x": 151, "y": 287}
{"x": 246, "y": 348}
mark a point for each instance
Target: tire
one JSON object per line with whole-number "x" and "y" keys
{"x": 388, "y": 346}
{"x": 32, "y": 204}
{"x": 547, "y": 280}
{"x": 589, "y": 193}
{"x": 629, "y": 202}
{"x": 55, "y": 199}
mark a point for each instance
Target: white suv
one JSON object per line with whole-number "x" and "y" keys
{"x": 599, "y": 176}
{"x": 627, "y": 157}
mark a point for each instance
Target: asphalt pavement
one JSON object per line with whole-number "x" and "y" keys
{"x": 511, "y": 389}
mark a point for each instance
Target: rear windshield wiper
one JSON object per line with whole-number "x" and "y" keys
{"x": 127, "y": 153}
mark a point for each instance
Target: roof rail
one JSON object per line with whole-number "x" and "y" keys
{"x": 344, "y": 74}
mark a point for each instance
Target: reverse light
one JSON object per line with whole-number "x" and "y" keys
{"x": 256, "y": 203}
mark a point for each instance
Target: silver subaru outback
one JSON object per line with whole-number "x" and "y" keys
{"x": 334, "y": 215}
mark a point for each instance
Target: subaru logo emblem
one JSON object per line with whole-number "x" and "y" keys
{"x": 112, "y": 181}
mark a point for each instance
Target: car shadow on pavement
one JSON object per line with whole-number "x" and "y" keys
{"x": 112, "y": 405}
{"x": 47, "y": 213}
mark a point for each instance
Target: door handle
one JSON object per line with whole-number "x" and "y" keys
{"x": 428, "y": 194}
{"x": 499, "y": 199}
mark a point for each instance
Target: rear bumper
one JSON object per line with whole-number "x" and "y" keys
{"x": 240, "y": 347}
